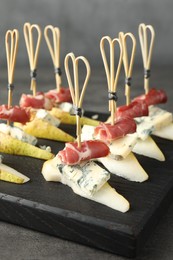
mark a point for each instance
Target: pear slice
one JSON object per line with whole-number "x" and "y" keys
{"x": 66, "y": 118}
{"x": 106, "y": 195}
{"x": 11, "y": 175}
{"x": 128, "y": 168}
{"x": 42, "y": 129}
{"x": 12, "y": 145}
{"x": 148, "y": 148}
{"x": 165, "y": 132}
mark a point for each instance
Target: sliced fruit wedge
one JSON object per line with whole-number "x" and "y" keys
{"x": 66, "y": 118}
{"x": 42, "y": 129}
{"x": 148, "y": 148}
{"x": 165, "y": 132}
{"x": 128, "y": 168}
{"x": 12, "y": 145}
{"x": 106, "y": 195}
{"x": 11, "y": 175}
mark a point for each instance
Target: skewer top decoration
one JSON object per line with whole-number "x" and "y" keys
{"x": 77, "y": 97}
{"x": 112, "y": 79}
{"x": 33, "y": 56}
{"x": 54, "y": 50}
{"x": 128, "y": 61}
{"x": 146, "y": 51}
{"x": 11, "y": 44}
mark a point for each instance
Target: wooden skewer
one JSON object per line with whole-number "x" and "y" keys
{"x": 54, "y": 50}
{"x": 11, "y": 43}
{"x": 112, "y": 79}
{"x": 33, "y": 56}
{"x": 77, "y": 98}
{"x": 146, "y": 51}
{"x": 128, "y": 62}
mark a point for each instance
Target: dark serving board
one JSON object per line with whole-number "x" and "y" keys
{"x": 54, "y": 209}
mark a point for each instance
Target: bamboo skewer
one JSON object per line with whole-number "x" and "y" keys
{"x": 54, "y": 50}
{"x": 11, "y": 44}
{"x": 128, "y": 61}
{"x": 112, "y": 79}
{"x": 146, "y": 51}
{"x": 33, "y": 56}
{"x": 77, "y": 97}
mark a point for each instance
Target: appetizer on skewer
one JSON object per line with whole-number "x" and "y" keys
{"x": 61, "y": 96}
{"x": 12, "y": 139}
{"x": 118, "y": 134}
{"x": 74, "y": 166}
{"x": 41, "y": 123}
{"x": 135, "y": 109}
{"x": 53, "y": 98}
{"x": 159, "y": 121}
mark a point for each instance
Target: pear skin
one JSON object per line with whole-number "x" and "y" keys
{"x": 12, "y": 145}
{"x": 66, "y": 118}
{"x": 42, "y": 129}
{"x": 11, "y": 175}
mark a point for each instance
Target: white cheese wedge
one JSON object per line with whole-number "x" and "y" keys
{"x": 119, "y": 148}
{"x": 129, "y": 168}
{"x": 106, "y": 195}
{"x": 46, "y": 116}
{"x": 18, "y": 133}
{"x": 11, "y": 175}
{"x": 148, "y": 148}
{"x": 157, "y": 119}
{"x": 165, "y": 132}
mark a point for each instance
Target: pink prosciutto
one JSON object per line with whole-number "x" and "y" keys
{"x": 58, "y": 97}
{"x": 154, "y": 96}
{"x": 91, "y": 149}
{"x": 15, "y": 114}
{"x": 38, "y": 101}
{"x": 134, "y": 109}
{"x": 108, "y": 132}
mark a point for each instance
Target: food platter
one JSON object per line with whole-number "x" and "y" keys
{"x": 54, "y": 209}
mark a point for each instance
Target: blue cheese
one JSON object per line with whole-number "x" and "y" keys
{"x": 66, "y": 106}
{"x": 22, "y": 136}
{"x": 88, "y": 177}
{"x": 4, "y": 128}
{"x": 157, "y": 119}
{"x": 46, "y": 116}
{"x": 52, "y": 170}
{"x": 18, "y": 133}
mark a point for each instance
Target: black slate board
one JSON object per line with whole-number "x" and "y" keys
{"x": 54, "y": 209}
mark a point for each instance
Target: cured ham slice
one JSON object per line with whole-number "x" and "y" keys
{"x": 154, "y": 96}
{"x": 15, "y": 114}
{"x": 38, "y": 101}
{"x": 91, "y": 149}
{"x": 134, "y": 109}
{"x": 108, "y": 132}
{"x": 58, "y": 97}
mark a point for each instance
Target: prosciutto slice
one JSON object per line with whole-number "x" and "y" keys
{"x": 15, "y": 114}
{"x": 38, "y": 101}
{"x": 63, "y": 95}
{"x": 134, "y": 109}
{"x": 153, "y": 97}
{"x": 91, "y": 149}
{"x": 108, "y": 132}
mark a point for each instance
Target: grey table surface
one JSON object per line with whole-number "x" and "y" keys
{"x": 20, "y": 243}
